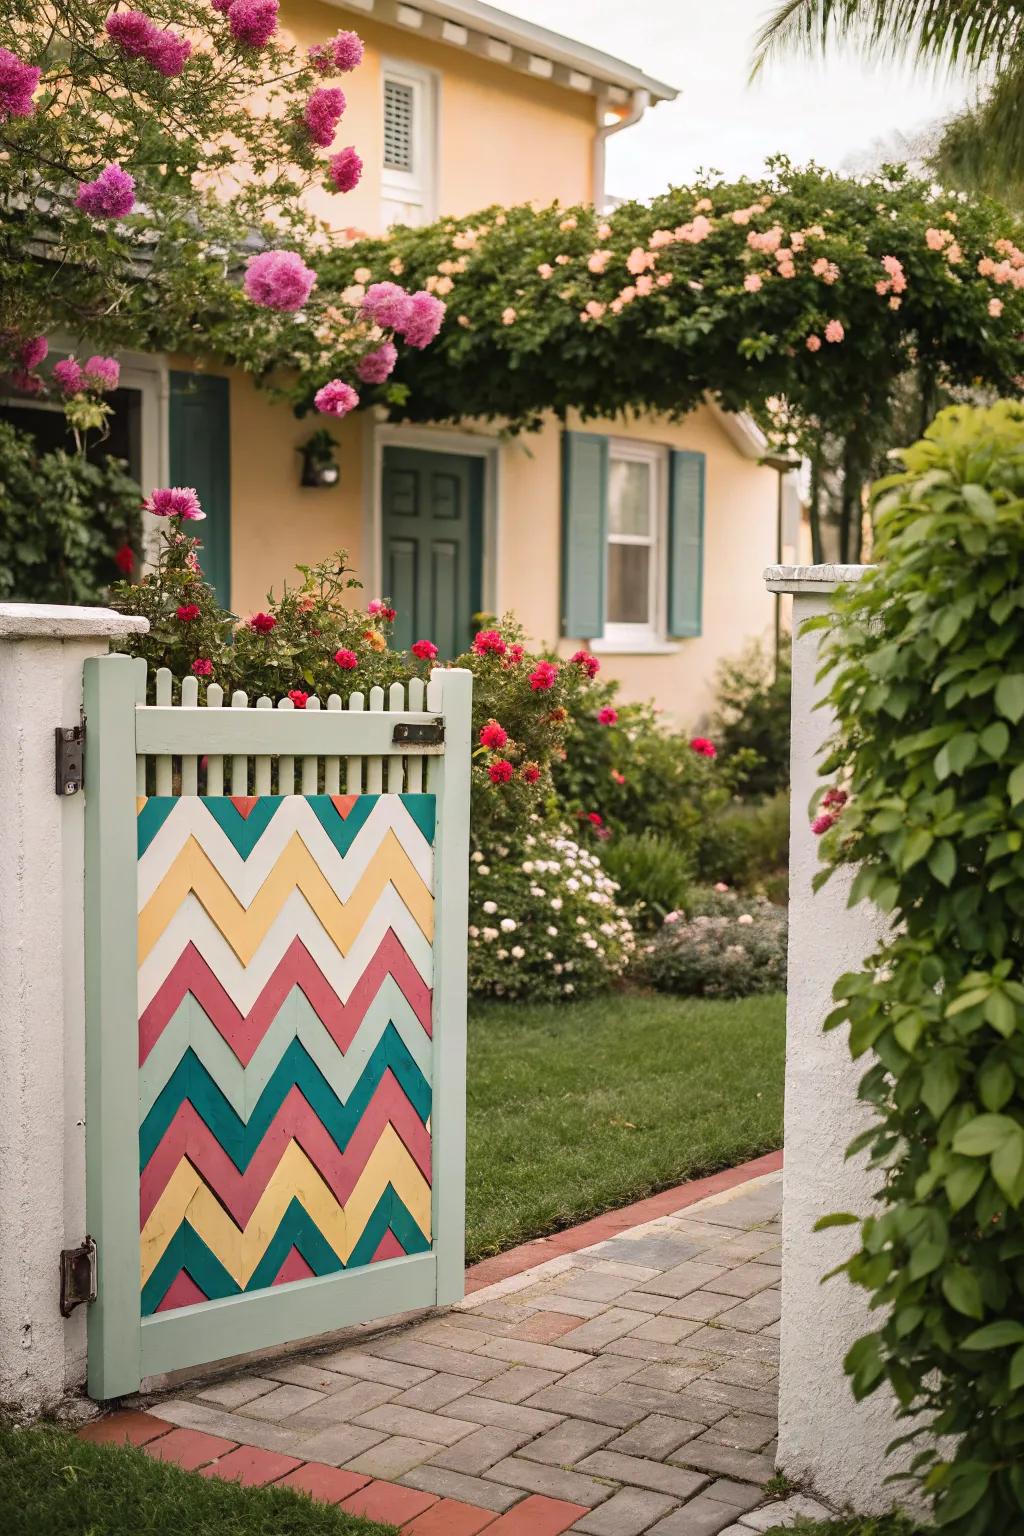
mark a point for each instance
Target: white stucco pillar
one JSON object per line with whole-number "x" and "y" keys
{"x": 827, "y": 1442}
{"x": 42, "y": 995}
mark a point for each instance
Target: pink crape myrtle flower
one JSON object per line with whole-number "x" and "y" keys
{"x": 169, "y": 53}
{"x": 175, "y": 501}
{"x": 24, "y": 381}
{"x": 488, "y": 642}
{"x": 834, "y": 331}
{"x": 423, "y": 321}
{"x": 424, "y": 650}
{"x": 753, "y": 282}
{"x": 68, "y": 377}
{"x": 102, "y": 373}
{"x": 110, "y": 196}
{"x": 347, "y": 660}
{"x": 703, "y": 747}
{"x": 345, "y": 169}
{"x": 278, "y": 279}
{"x": 323, "y": 113}
{"x": 588, "y": 663}
{"x": 18, "y": 83}
{"x": 202, "y": 667}
{"x": 33, "y": 351}
{"x": 336, "y": 399}
{"x": 139, "y": 37}
{"x": 835, "y": 797}
{"x": 500, "y": 771}
{"x": 607, "y": 715}
{"x": 813, "y": 343}
{"x": 253, "y": 22}
{"x": 822, "y": 823}
{"x": 376, "y": 366}
{"x": 543, "y": 676}
{"x": 387, "y": 305}
{"x": 493, "y": 735}
{"x": 343, "y": 52}
{"x": 995, "y": 308}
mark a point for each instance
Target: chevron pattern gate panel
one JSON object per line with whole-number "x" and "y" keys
{"x": 285, "y": 968}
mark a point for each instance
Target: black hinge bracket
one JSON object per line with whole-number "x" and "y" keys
{"x": 70, "y": 758}
{"x": 409, "y": 735}
{"x": 77, "y": 1276}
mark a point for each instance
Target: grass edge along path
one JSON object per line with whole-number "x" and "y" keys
{"x": 578, "y": 1109}
{"x": 853, "y": 1525}
{"x": 53, "y": 1483}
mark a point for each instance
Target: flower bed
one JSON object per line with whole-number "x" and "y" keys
{"x": 734, "y": 947}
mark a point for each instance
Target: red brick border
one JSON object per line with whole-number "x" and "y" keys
{"x": 600, "y": 1228}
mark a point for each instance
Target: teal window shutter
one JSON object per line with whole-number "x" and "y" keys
{"x": 584, "y": 533}
{"x": 200, "y": 456}
{"x": 685, "y": 543}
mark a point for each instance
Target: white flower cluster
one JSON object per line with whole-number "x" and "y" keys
{"x": 572, "y": 937}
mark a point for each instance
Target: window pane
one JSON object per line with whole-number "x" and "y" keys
{"x": 629, "y": 586}
{"x": 398, "y": 118}
{"x": 629, "y": 497}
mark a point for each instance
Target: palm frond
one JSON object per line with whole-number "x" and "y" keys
{"x": 982, "y": 149}
{"x": 970, "y": 33}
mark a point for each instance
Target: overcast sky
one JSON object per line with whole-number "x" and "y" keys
{"x": 807, "y": 109}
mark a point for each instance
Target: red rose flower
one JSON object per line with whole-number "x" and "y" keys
{"x": 500, "y": 771}
{"x": 823, "y": 822}
{"x": 187, "y": 612}
{"x": 543, "y": 676}
{"x": 262, "y": 623}
{"x": 493, "y": 735}
{"x": 298, "y": 698}
{"x": 347, "y": 660}
{"x": 530, "y": 773}
{"x": 489, "y": 643}
{"x": 125, "y": 559}
{"x": 424, "y": 650}
{"x": 703, "y": 747}
{"x": 590, "y": 664}
{"x": 595, "y": 819}
{"x": 607, "y": 715}
{"x": 202, "y": 667}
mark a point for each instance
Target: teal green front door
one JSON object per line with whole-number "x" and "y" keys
{"x": 433, "y": 545}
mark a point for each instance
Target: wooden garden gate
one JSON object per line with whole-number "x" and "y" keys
{"x": 275, "y": 1022}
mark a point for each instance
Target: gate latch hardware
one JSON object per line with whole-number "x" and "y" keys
{"x": 70, "y": 758}
{"x": 77, "y": 1276}
{"x": 429, "y": 735}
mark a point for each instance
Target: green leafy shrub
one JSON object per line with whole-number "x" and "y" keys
{"x": 545, "y": 922}
{"x": 927, "y": 659}
{"x": 654, "y": 876}
{"x": 751, "y": 716}
{"x": 63, "y": 522}
{"x": 746, "y": 843}
{"x": 736, "y": 950}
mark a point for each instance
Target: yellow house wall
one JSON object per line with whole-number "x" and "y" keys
{"x": 502, "y": 137}
{"x": 278, "y": 523}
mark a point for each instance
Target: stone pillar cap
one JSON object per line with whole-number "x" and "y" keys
{"x": 53, "y": 621}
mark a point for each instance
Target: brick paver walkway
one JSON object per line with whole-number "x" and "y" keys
{"x": 625, "y": 1388}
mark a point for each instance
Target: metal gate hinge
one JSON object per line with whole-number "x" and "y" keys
{"x": 70, "y": 758}
{"x": 414, "y": 735}
{"x": 77, "y": 1276}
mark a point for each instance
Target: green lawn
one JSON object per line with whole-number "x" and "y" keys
{"x": 52, "y": 1484}
{"x": 577, "y": 1109}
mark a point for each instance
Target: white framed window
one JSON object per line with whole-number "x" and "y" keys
{"x": 409, "y": 170}
{"x": 637, "y": 532}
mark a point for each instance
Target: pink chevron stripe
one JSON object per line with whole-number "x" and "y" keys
{"x": 293, "y": 1268}
{"x": 182, "y": 1292}
{"x": 388, "y": 1248}
{"x": 243, "y": 1032}
{"x": 189, "y": 1136}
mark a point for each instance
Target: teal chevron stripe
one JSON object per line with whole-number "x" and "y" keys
{"x": 244, "y": 832}
{"x": 423, "y": 810}
{"x": 343, "y": 830}
{"x": 151, "y": 818}
{"x": 187, "y": 1250}
{"x": 240, "y": 1138}
{"x": 295, "y": 1019}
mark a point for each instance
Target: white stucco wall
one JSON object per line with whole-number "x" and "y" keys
{"x": 827, "y": 1442}
{"x": 42, "y": 997}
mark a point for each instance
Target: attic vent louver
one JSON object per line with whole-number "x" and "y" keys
{"x": 398, "y": 125}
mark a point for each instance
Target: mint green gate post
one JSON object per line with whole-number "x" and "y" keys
{"x": 243, "y": 1246}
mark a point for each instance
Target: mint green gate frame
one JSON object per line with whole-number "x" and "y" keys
{"x": 131, "y": 746}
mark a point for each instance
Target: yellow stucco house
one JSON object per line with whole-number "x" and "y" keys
{"x": 646, "y": 540}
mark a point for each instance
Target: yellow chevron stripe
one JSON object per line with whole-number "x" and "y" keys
{"x": 245, "y": 928}
{"x": 187, "y": 1197}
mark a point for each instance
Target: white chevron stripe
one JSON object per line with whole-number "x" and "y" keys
{"x": 296, "y": 919}
{"x": 242, "y": 1086}
{"x": 245, "y": 876}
